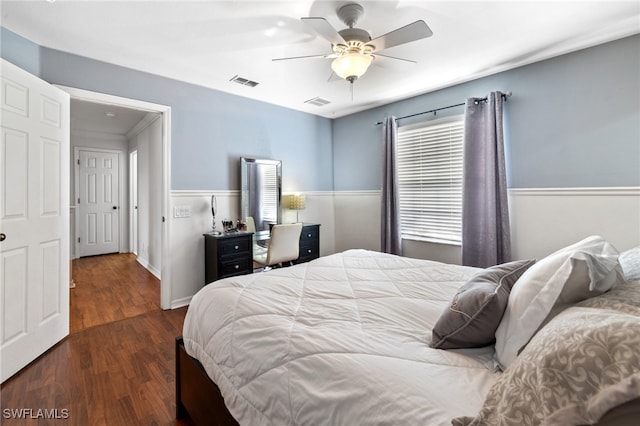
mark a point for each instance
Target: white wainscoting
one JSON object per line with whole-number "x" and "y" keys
{"x": 544, "y": 220}
{"x": 357, "y": 220}
{"x": 187, "y": 243}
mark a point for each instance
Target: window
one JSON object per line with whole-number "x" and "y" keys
{"x": 429, "y": 164}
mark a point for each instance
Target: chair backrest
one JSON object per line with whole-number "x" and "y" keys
{"x": 251, "y": 225}
{"x": 284, "y": 243}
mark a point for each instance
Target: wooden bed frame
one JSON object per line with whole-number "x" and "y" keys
{"x": 197, "y": 396}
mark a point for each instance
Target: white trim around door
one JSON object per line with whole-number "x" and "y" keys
{"x": 85, "y": 95}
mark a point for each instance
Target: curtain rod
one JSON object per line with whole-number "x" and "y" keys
{"x": 504, "y": 96}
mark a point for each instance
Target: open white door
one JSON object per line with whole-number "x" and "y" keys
{"x": 34, "y": 218}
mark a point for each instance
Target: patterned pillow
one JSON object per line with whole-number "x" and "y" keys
{"x": 583, "y": 363}
{"x": 475, "y": 312}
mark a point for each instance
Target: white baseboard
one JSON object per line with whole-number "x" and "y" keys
{"x": 148, "y": 267}
{"x": 179, "y": 303}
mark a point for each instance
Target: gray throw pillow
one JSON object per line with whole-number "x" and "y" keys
{"x": 475, "y": 312}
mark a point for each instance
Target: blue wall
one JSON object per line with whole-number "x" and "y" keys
{"x": 20, "y": 51}
{"x": 573, "y": 121}
{"x": 211, "y": 130}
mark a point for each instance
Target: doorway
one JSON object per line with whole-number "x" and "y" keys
{"x": 164, "y": 132}
{"x": 98, "y": 184}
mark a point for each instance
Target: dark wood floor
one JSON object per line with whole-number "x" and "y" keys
{"x": 116, "y": 368}
{"x": 110, "y": 288}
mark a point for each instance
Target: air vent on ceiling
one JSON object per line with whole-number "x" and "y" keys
{"x": 244, "y": 81}
{"x": 317, "y": 101}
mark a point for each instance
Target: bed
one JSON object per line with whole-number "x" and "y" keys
{"x": 351, "y": 338}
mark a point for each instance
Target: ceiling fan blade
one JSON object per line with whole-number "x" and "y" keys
{"x": 328, "y": 55}
{"x": 333, "y": 77}
{"x": 392, "y": 63}
{"x": 324, "y": 29}
{"x": 394, "y": 57}
{"x": 412, "y": 32}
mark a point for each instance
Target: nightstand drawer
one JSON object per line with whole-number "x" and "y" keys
{"x": 308, "y": 252}
{"x": 309, "y": 233}
{"x": 236, "y": 266}
{"x": 233, "y": 246}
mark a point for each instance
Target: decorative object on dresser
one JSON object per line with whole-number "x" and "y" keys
{"x": 227, "y": 255}
{"x": 297, "y": 203}
{"x": 214, "y": 209}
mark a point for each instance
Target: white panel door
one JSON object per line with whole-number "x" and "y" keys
{"x": 98, "y": 202}
{"x": 34, "y": 217}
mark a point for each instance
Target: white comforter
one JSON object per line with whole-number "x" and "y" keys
{"x": 342, "y": 340}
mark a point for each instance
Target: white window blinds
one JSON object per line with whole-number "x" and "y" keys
{"x": 269, "y": 197}
{"x": 429, "y": 164}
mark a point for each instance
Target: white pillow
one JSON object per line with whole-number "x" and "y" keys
{"x": 577, "y": 272}
{"x": 630, "y": 263}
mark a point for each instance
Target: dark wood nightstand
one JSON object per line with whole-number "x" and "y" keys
{"x": 227, "y": 255}
{"x": 309, "y": 243}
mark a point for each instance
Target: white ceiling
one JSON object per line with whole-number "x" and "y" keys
{"x": 209, "y": 42}
{"x": 102, "y": 118}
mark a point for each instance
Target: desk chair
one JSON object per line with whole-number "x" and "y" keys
{"x": 283, "y": 247}
{"x": 251, "y": 227}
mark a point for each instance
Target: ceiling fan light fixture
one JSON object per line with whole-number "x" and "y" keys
{"x": 351, "y": 65}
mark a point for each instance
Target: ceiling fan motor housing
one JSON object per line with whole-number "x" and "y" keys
{"x": 356, "y": 38}
{"x": 350, "y": 14}
{"x": 355, "y": 34}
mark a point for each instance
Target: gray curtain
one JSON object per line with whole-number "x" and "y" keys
{"x": 486, "y": 238}
{"x": 391, "y": 241}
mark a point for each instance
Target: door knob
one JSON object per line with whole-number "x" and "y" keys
{"x": 115, "y": 207}
{"x": 3, "y": 237}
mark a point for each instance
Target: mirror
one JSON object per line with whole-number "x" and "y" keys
{"x": 261, "y": 191}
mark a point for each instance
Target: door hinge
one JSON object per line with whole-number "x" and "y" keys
{"x": 78, "y": 161}
{"x": 78, "y": 200}
{"x": 78, "y": 239}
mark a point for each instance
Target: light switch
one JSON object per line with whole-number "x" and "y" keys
{"x": 181, "y": 211}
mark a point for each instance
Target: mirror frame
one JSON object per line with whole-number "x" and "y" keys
{"x": 245, "y": 195}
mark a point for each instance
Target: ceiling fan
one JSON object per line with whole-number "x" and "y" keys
{"x": 353, "y": 48}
